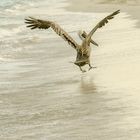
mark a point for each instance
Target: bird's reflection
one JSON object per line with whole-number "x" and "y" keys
{"x": 87, "y": 84}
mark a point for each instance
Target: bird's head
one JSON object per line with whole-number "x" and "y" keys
{"x": 80, "y": 32}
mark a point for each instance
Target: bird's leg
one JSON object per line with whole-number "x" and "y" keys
{"x": 82, "y": 69}
{"x": 90, "y": 67}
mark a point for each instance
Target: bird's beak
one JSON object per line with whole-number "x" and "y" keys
{"x": 94, "y": 43}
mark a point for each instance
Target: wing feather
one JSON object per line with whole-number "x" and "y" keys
{"x": 101, "y": 24}
{"x": 42, "y": 24}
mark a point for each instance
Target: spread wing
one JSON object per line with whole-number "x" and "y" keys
{"x": 101, "y": 24}
{"x": 42, "y": 24}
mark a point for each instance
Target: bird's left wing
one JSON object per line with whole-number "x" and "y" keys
{"x": 43, "y": 24}
{"x": 101, "y": 24}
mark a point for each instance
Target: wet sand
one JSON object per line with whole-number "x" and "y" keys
{"x": 117, "y": 78}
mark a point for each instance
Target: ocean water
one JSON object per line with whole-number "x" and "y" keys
{"x": 44, "y": 97}
{"x": 128, "y": 2}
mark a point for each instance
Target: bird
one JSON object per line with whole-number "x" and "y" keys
{"x": 84, "y": 49}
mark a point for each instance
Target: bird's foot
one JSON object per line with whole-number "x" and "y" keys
{"x": 91, "y": 67}
{"x": 84, "y": 71}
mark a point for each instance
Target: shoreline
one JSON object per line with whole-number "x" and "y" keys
{"x": 92, "y": 6}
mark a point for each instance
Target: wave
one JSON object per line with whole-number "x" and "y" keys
{"x": 5, "y": 32}
{"x": 128, "y": 2}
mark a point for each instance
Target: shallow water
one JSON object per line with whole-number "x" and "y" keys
{"x": 44, "y": 97}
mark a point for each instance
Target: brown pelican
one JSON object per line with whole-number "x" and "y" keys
{"x": 83, "y": 50}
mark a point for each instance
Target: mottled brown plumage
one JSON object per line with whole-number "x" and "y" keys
{"x": 83, "y": 50}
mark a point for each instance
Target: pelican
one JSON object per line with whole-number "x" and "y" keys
{"x": 83, "y": 50}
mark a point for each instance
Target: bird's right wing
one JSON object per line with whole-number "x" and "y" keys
{"x": 42, "y": 24}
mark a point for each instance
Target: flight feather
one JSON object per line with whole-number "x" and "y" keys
{"x": 34, "y": 23}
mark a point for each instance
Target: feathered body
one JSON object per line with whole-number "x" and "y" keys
{"x": 83, "y": 50}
